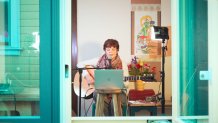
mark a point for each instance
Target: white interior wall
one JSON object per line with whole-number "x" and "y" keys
{"x": 165, "y": 13}
{"x": 98, "y": 20}
{"x": 166, "y": 21}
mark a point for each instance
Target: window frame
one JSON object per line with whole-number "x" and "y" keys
{"x": 13, "y": 29}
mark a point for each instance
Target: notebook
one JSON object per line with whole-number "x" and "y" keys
{"x": 109, "y": 79}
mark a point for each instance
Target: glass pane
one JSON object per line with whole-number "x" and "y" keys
{"x": 193, "y": 57}
{"x": 19, "y": 74}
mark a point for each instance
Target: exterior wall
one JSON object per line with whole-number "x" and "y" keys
{"x": 25, "y": 67}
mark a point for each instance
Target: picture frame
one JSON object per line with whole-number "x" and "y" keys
{"x": 141, "y": 43}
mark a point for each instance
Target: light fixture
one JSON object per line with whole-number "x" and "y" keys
{"x": 159, "y": 33}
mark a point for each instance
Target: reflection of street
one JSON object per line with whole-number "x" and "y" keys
{"x": 14, "y": 94}
{"x": 15, "y": 98}
{"x": 14, "y": 85}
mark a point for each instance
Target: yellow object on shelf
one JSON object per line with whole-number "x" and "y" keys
{"x": 139, "y": 85}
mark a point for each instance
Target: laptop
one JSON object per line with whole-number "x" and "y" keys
{"x": 109, "y": 79}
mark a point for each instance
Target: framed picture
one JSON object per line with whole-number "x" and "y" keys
{"x": 141, "y": 41}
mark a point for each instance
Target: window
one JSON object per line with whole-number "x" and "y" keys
{"x": 9, "y": 27}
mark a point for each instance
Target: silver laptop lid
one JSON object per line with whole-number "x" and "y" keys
{"x": 109, "y": 79}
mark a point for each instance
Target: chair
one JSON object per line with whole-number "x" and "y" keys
{"x": 124, "y": 109}
{"x": 97, "y": 109}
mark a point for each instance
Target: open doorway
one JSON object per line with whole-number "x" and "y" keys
{"x": 86, "y": 31}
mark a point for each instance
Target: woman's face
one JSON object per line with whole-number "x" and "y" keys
{"x": 111, "y": 52}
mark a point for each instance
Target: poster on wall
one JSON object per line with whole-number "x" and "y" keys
{"x": 143, "y": 45}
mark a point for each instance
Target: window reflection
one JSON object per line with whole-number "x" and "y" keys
{"x": 4, "y": 40}
{"x": 10, "y": 27}
{"x": 19, "y": 69}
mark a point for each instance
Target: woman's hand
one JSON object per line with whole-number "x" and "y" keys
{"x": 90, "y": 76}
{"x": 89, "y": 79}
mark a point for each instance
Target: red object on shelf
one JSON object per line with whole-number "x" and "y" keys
{"x": 140, "y": 95}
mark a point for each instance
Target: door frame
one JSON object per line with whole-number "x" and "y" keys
{"x": 65, "y": 62}
{"x": 212, "y": 67}
{"x": 213, "y": 100}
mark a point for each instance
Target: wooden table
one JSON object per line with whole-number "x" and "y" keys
{"x": 137, "y": 101}
{"x": 135, "y": 106}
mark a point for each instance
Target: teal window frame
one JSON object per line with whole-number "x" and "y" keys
{"x": 13, "y": 47}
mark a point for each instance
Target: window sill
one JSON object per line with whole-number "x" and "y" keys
{"x": 10, "y": 51}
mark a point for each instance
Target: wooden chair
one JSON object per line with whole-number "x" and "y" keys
{"x": 99, "y": 106}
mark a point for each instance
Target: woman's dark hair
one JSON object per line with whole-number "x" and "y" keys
{"x": 111, "y": 43}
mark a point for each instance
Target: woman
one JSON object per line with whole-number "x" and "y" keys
{"x": 110, "y": 59}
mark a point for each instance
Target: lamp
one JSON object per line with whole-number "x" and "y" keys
{"x": 161, "y": 34}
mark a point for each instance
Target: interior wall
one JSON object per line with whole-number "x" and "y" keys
{"x": 166, "y": 21}
{"x": 99, "y": 20}
{"x": 165, "y": 13}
